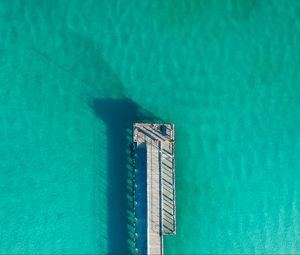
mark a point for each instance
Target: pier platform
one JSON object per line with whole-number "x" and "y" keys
{"x": 155, "y": 208}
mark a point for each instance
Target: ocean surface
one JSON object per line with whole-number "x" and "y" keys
{"x": 74, "y": 75}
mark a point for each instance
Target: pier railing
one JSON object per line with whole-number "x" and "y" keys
{"x": 158, "y": 139}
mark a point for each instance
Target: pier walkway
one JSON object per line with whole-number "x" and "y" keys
{"x": 155, "y": 208}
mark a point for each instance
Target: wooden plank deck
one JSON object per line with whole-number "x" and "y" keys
{"x": 158, "y": 139}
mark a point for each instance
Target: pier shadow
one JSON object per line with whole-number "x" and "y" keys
{"x": 119, "y": 116}
{"x": 81, "y": 59}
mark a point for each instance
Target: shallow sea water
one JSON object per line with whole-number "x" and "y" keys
{"x": 75, "y": 74}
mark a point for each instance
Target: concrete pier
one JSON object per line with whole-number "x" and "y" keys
{"x": 155, "y": 208}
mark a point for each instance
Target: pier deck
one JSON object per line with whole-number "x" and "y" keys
{"x": 155, "y": 186}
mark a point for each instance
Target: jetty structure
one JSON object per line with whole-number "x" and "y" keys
{"x": 154, "y": 192}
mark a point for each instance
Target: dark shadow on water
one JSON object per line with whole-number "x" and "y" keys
{"x": 119, "y": 116}
{"x": 81, "y": 58}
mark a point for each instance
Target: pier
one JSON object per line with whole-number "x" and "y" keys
{"x": 155, "y": 208}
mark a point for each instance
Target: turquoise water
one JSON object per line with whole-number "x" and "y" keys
{"x": 75, "y": 74}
